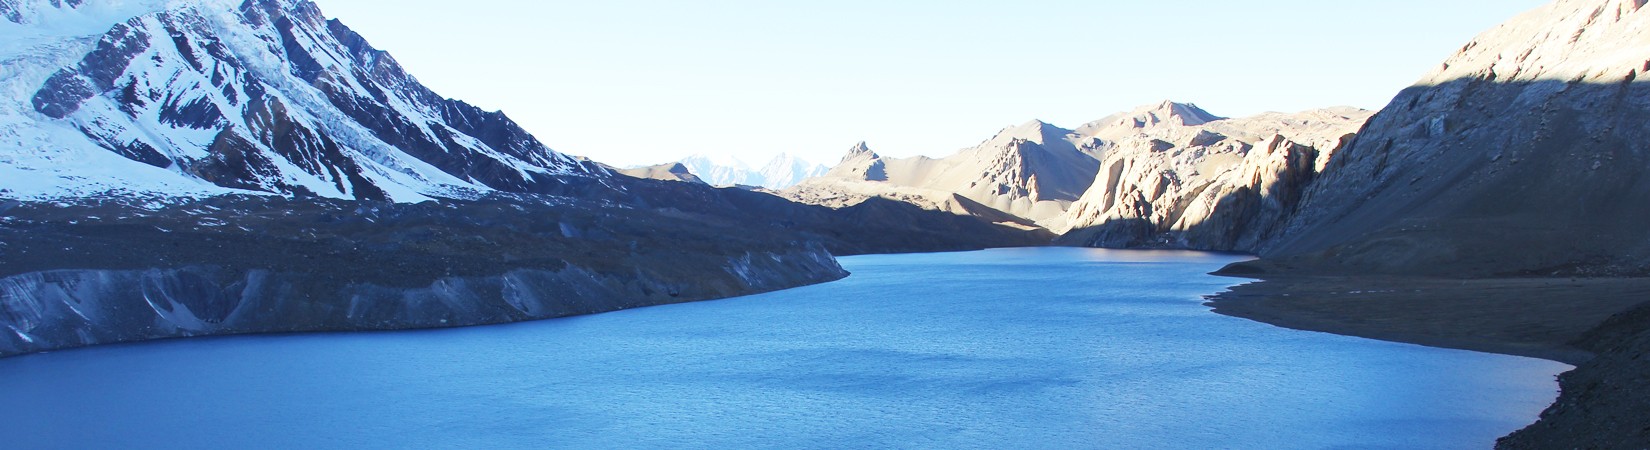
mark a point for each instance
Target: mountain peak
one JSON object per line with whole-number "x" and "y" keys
{"x": 860, "y": 151}
{"x": 1034, "y": 131}
{"x": 1171, "y": 112}
{"x": 1165, "y": 113}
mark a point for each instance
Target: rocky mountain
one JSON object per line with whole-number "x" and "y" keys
{"x": 1175, "y": 176}
{"x": 1033, "y": 171}
{"x": 783, "y": 171}
{"x": 849, "y": 184}
{"x": 667, "y": 172}
{"x": 1165, "y": 114}
{"x": 174, "y": 168}
{"x": 1522, "y": 156}
{"x": 1162, "y": 175}
{"x": 1524, "y": 153}
{"x": 261, "y": 95}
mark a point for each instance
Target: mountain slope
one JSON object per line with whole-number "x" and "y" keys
{"x": 1523, "y": 154}
{"x": 849, "y": 185}
{"x": 1202, "y": 182}
{"x": 666, "y": 172}
{"x": 262, "y": 95}
{"x": 1034, "y": 171}
{"x": 1522, "y": 158}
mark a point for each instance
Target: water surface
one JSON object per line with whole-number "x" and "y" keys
{"x": 1051, "y": 348}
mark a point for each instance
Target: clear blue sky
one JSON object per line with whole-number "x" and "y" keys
{"x": 647, "y": 81}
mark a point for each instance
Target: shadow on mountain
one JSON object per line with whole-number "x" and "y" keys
{"x": 1478, "y": 178}
{"x": 1484, "y": 181}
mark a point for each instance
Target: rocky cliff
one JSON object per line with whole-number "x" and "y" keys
{"x": 1175, "y": 176}
{"x": 1167, "y": 175}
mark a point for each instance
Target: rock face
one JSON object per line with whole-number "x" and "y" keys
{"x": 260, "y": 95}
{"x": 1168, "y": 175}
{"x": 1175, "y": 176}
{"x": 1524, "y": 154}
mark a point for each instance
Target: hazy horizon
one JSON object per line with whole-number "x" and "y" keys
{"x": 647, "y": 81}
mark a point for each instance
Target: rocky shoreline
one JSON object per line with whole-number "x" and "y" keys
{"x": 1596, "y": 324}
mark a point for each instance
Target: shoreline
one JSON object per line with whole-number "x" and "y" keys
{"x": 1530, "y": 317}
{"x": 1595, "y": 325}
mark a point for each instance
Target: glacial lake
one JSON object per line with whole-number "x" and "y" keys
{"x": 1038, "y": 348}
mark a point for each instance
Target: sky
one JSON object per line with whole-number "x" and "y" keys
{"x": 631, "y": 82}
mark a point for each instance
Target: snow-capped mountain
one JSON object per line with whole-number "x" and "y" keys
{"x": 783, "y": 171}
{"x": 202, "y": 96}
{"x": 786, "y": 170}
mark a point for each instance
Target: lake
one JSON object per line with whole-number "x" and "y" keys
{"x": 1040, "y": 348}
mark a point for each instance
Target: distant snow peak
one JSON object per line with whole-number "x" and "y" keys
{"x": 783, "y": 171}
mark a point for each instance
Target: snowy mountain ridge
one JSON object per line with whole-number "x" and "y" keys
{"x": 215, "y": 96}
{"x": 783, "y": 171}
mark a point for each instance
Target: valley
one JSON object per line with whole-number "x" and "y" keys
{"x": 193, "y": 168}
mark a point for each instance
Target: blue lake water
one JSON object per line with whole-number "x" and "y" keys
{"x": 1039, "y": 348}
